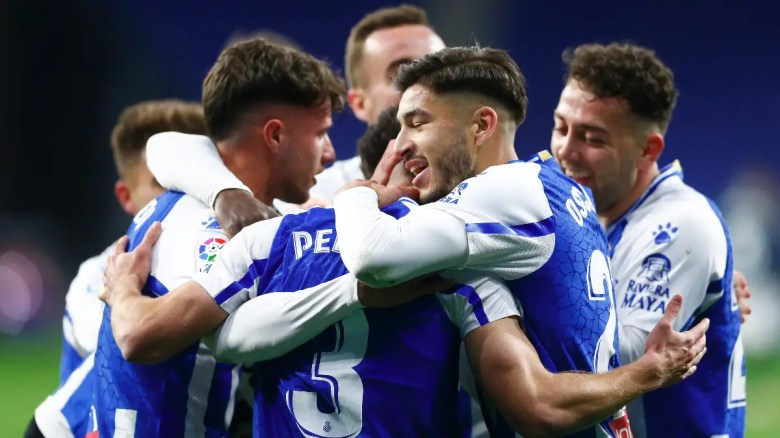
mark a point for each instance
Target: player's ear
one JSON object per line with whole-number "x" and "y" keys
{"x": 651, "y": 150}
{"x": 358, "y": 102}
{"x": 484, "y": 123}
{"x": 272, "y": 134}
{"x": 122, "y": 194}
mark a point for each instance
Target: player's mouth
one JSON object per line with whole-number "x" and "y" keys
{"x": 582, "y": 178}
{"x": 419, "y": 168}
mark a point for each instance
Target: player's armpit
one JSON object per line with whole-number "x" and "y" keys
{"x": 151, "y": 330}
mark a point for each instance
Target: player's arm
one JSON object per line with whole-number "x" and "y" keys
{"x": 537, "y": 402}
{"x": 273, "y": 324}
{"x": 692, "y": 264}
{"x": 191, "y": 164}
{"x": 150, "y": 330}
{"x": 377, "y": 248}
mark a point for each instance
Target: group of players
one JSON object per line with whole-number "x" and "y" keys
{"x": 452, "y": 265}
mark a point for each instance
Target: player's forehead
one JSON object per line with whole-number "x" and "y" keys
{"x": 577, "y": 105}
{"x": 417, "y": 99}
{"x": 315, "y": 117}
{"x": 406, "y": 42}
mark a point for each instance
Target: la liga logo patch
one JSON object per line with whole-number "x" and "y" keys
{"x": 207, "y": 252}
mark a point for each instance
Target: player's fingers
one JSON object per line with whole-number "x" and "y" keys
{"x": 120, "y": 247}
{"x": 672, "y": 309}
{"x": 409, "y": 191}
{"x": 699, "y": 331}
{"x": 689, "y": 372}
{"x": 151, "y": 236}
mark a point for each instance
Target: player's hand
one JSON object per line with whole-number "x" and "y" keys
{"x": 236, "y": 208}
{"x": 384, "y": 169}
{"x": 126, "y": 272}
{"x": 402, "y": 293}
{"x": 674, "y": 355}
{"x": 742, "y": 291}
{"x": 386, "y": 194}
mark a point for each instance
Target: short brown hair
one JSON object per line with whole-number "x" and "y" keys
{"x": 628, "y": 72}
{"x": 384, "y": 18}
{"x": 373, "y": 143}
{"x": 140, "y": 121}
{"x": 255, "y": 72}
{"x": 482, "y": 70}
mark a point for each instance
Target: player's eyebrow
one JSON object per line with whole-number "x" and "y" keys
{"x": 412, "y": 113}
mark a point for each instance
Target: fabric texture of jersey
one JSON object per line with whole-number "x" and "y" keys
{"x": 189, "y": 394}
{"x": 673, "y": 240}
{"x": 379, "y": 372}
{"x": 83, "y": 314}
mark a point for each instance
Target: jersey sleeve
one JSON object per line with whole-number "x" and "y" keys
{"x": 83, "y": 308}
{"x": 234, "y": 276}
{"x": 476, "y": 301}
{"x": 191, "y": 164}
{"x": 690, "y": 262}
{"x": 498, "y": 222}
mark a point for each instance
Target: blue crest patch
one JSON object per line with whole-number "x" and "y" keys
{"x": 656, "y": 267}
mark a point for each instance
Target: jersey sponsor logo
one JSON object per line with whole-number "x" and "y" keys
{"x": 649, "y": 290}
{"x": 455, "y": 194}
{"x": 665, "y": 234}
{"x": 207, "y": 252}
{"x": 211, "y": 223}
{"x": 322, "y": 242}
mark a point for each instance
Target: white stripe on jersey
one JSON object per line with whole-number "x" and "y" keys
{"x": 48, "y": 415}
{"x": 200, "y": 385}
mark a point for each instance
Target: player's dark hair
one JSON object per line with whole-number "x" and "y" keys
{"x": 482, "y": 70}
{"x": 628, "y": 72}
{"x": 373, "y": 143}
{"x": 140, "y": 121}
{"x": 254, "y": 72}
{"x": 384, "y": 18}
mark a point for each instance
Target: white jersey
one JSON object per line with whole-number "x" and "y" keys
{"x": 83, "y": 314}
{"x": 190, "y": 394}
{"x": 673, "y": 241}
{"x": 338, "y": 174}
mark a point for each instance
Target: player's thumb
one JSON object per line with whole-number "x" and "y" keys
{"x": 673, "y": 309}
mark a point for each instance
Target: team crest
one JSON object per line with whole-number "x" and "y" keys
{"x": 207, "y": 252}
{"x": 655, "y": 267}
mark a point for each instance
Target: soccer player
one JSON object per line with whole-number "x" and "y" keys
{"x": 665, "y": 237}
{"x": 524, "y": 222}
{"x": 135, "y": 187}
{"x": 269, "y": 110}
{"x": 305, "y": 249}
{"x": 377, "y": 46}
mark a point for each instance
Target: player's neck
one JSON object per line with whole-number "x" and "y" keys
{"x": 501, "y": 152}
{"x": 248, "y": 167}
{"x": 643, "y": 181}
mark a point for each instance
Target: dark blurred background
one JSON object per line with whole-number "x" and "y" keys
{"x": 69, "y": 67}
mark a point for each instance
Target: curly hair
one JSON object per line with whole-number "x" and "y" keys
{"x": 628, "y": 72}
{"x": 482, "y": 70}
{"x": 255, "y": 72}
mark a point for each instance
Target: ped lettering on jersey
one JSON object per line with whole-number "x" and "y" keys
{"x": 323, "y": 241}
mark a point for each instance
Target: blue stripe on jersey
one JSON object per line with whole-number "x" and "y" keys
{"x": 248, "y": 280}
{"x": 154, "y": 286}
{"x": 535, "y": 229}
{"x": 76, "y": 409}
{"x": 69, "y": 360}
{"x": 476, "y": 302}
{"x": 614, "y": 236}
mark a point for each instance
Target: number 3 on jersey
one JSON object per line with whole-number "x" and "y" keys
{"x": 337, "y": 370}
{"x": 600, "y": 288}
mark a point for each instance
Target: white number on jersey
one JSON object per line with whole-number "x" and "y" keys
{"x": 336, "y": 369}
{"x": 600, "y": 288}
{"x": 737, "y": 380}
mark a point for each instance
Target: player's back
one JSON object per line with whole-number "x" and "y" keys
{"x": 379, "y": 372}
{"x": 674, "y": 240}
{"x": 189, "y": 394}
{"x": 556, "y": 262}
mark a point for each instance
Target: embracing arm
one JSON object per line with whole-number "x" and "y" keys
{"x": 382, "y": 251}
{"x": 537, "y": 402}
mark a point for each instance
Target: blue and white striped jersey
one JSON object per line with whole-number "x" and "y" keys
{"x": 190, "y": 394}
{"x": 524, "y": 222}
{"x": 673, "y": 240}
{"x": 379, "y": 372}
